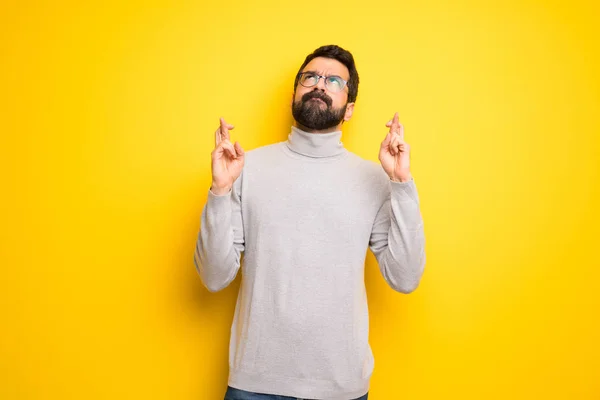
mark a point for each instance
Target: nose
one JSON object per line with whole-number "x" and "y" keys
{"x": 321, "y": 84}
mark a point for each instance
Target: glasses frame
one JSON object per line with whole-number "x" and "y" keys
{"x": 324, "y": 78}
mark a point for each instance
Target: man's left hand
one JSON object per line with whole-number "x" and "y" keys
{"x": 394, "y": 153}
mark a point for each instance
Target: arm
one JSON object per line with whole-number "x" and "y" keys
{"x": 398, "y": 240}
{"x": 221, "y": 239}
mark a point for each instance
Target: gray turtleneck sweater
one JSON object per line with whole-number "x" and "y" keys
{"x": 303, "y": 214}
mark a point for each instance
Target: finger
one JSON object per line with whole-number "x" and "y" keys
{"x": 394, "y": 128}
{"x": 224, "y": 130}
{"x": 392, "y": 145}
{"x": 223, "y": 127}
{"x": 386, "y": 141}
{"x": 226, "y": 144}
{"x": 218, "y": 137}
{"x": 395, "y": 145}
{"x": 401, "y": 131}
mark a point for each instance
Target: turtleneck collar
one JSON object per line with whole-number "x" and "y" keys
{"x": 315, "y": 144}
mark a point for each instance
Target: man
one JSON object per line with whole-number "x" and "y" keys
{"x": 303, "y": 213}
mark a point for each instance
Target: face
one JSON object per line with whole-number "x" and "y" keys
{"x": 317, "y": 107}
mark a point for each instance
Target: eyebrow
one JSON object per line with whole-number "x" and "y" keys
{"x": 328, "y": 76}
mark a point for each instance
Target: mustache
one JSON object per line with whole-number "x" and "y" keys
{"x": 316, "y": 94}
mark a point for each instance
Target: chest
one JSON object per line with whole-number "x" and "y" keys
{"x": 310, "y": 199}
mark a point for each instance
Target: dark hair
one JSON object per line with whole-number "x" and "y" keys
{"x": 343, "y": 56}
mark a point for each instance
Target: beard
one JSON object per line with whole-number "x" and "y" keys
{"x": 311, "y": 113}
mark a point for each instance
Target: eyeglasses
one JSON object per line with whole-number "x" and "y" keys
{"x": 333, "y": 83}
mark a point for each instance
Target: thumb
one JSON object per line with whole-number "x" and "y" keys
{"x": 239, "y": 150}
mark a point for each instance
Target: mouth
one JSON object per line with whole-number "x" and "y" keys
{"x": 317, "y": 97}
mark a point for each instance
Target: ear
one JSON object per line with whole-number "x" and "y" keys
{"x": 349, "y": 111}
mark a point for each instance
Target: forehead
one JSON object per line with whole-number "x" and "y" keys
{"x": 327, "y": 66}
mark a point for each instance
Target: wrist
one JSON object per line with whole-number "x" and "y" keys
{"x": 401, "y": 179}
{"x": 219, "y": 190}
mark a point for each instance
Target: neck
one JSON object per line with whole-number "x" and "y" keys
{"x": 315, "y": 144}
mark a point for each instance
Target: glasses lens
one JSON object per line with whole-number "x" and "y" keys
{"x": 334, "y": 83}
{"x": 309, "y": 79}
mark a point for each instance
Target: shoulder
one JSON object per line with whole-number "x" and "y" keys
{"x": 263, "y": 153}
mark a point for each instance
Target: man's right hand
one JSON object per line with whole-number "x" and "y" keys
{"x": 227, "y": 160}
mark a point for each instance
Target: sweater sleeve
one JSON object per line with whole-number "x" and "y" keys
{"x": 397, "y": 239}
{"x": 220, "y": 242}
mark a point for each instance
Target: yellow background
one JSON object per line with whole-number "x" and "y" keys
{"x": 107, "y": 117}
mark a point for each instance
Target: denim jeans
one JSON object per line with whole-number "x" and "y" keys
{"x": 238, "y": 394}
